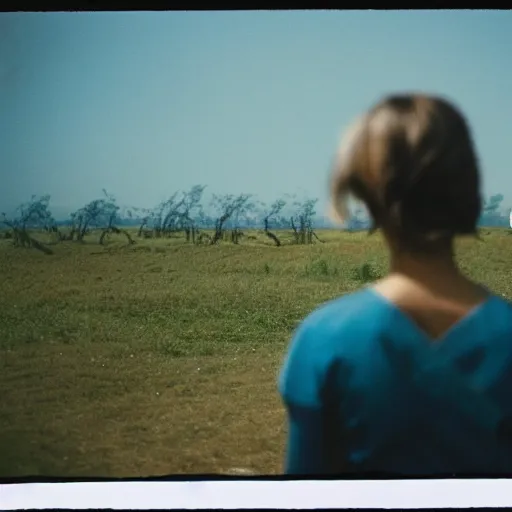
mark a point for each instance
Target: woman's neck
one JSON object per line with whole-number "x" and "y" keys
{"x": 429, "y": 268}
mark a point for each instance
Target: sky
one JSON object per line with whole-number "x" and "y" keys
{"x": 145, "y": 104}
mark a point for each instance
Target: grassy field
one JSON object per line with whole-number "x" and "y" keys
{"x": 162, "y": 357}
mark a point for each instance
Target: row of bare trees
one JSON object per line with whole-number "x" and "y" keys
{"x": 182, "y": 214}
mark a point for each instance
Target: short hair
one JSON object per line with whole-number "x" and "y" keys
{"x": 412, "y": 162}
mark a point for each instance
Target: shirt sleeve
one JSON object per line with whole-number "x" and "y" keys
{"x": 299, "y": 387}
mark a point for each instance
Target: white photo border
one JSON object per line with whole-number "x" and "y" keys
{"x": 246, "y": 494}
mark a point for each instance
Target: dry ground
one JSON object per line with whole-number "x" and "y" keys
{"x": 162, "y": 358}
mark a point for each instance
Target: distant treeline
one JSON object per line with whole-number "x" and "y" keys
{"x": 253, "y": 214}
{"x": 186, "y": 214}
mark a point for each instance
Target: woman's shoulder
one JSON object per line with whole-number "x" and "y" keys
{"x": 500, "y": 301}
{"x": 349, "y": 311}
{"x": 336, "y": 328}
{"x": 497, "y": 312}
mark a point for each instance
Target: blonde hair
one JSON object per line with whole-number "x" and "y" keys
{"x": 412, "y": 162}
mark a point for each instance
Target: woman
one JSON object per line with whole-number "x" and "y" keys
{"x": 412, "y": 375}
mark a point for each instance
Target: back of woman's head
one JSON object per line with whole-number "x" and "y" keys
{"x": 411, "y": 161}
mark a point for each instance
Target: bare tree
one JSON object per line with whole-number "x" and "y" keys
{"x": 146, "y": 216}
{"x": 491, "y": 214}
{"x": 358, "y": 218}
{"x": 492, "y": 205}
{"x": 100, "y": 214}
{"x": 161, "y": 220}
{"x": 93, "y": 214}
{"x": 242, "y": 213}
{"x": 302, "y": 221}
{"x": 274, "y": 210}
{"x": 161, "y": 217}
{"x": 168, "y": 215}
{"x": 174, "y": 215}
{"x": 111, "y": 210}
{"x": 32, "y": 215}
{"x": 191, "y": 209}
{"x": 204, "y": 221}
{"x": 229, "y": 206}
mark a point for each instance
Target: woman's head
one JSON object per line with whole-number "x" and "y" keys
{"x": 411, "y": 161}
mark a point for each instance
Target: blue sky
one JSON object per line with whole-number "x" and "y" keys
{"x": 144, "y": 104}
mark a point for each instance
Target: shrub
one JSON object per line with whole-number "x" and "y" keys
{"x": 366, "y": 273}
{"x": 321, "y": 268}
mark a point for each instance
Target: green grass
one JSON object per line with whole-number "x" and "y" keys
{"x": 162, "y": 357}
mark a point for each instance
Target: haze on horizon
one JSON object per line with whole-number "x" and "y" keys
{"x": 147, "y": 103}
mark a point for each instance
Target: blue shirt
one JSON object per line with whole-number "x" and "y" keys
{"x": 367, "y": 390}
